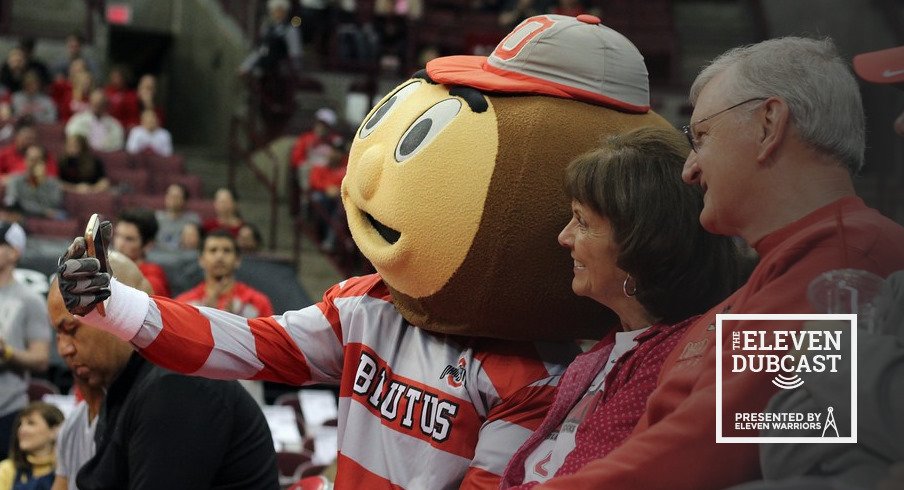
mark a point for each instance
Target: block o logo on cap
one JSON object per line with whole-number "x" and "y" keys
{"x": 517, "y": 39}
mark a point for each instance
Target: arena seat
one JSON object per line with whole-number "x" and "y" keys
{"x": 81, "y": 206}
{"x": 290, "y": 466}
{"x": 38, "y": 387}
{"x": 131, "y": 180}
{"x": 62, "y": 228}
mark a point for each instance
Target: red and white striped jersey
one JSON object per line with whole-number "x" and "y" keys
{"x": 417, "y": 409}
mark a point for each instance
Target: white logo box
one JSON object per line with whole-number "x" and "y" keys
{"x": 850, "y": 319}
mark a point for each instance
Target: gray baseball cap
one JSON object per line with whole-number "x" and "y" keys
{"x": 560, "y": 56}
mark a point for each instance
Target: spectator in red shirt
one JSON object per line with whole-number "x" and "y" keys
{"x": 122, "y": 101}
{"x": 219, "y": 259}
{"x": 311, "y": 149}
{"x": 324, "y": 183}
{"x": 133, "y": 236}
{"x": 12, "y": 156}
{"x": 71, "y": 94}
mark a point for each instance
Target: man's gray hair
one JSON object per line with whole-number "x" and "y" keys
{"x": 818, "y": 86}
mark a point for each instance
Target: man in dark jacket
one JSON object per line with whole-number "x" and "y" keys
{"x": 157, "y": 429}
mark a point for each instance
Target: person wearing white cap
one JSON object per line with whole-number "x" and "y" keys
{"x": 24, "y": 332}
{"x": 884, "y": 67}
{"x": 311, "y": 149}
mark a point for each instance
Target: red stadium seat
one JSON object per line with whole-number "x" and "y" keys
{"x": 160, "y": 181}
{"x": 131, "y": 180}
{"x": 146, "y": 201}
{"x": 116, "y": 160}
{"x": 310, "y": 470}
{"x": 38, "y": 387}
{"x": 82, "y": 206}
{"x": 290, "y": 466}
{"x": 318, "y": 482}
{"x": 165, "y": 165}
{"x": 50, "y": 133}
{"x": 65, "y": 228}
{"x": 204, "y": 207}
{"x": 291, "y": 400}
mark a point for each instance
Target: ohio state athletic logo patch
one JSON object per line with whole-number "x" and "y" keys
{"x": 455, "y": 375}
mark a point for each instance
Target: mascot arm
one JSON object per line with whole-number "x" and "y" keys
{"x": 296, "y": 348}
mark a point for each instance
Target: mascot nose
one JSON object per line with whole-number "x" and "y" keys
{"x": 370, "y": 168}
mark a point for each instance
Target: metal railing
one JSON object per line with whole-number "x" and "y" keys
{"x": 244, "y": 143}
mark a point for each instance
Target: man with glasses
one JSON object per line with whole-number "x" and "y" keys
{"x": 776, "y": 134}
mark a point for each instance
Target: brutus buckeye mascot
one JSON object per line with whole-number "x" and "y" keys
{"x": 445, "y": 358}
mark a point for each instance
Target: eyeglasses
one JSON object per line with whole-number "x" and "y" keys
{"x": 689, "y": 129}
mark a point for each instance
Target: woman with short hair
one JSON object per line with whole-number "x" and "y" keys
{"x": 639, "y": 249}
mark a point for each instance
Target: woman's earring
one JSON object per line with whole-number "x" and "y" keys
{"x": 633, "y": 290}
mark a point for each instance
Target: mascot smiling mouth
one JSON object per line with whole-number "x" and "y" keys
{"x": 388, "y": 234}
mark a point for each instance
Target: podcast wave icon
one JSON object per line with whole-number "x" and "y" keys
{"x": 787, "y": 382}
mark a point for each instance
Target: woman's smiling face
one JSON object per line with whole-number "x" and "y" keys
{"x": 591, "y": 240}
{"x": 35, "y": 434}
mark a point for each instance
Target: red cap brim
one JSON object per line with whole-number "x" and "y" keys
{"x": 475, "y": 72}
{"x": 886, "y": 66}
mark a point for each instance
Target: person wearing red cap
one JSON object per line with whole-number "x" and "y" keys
{"x": 884, "y": 67}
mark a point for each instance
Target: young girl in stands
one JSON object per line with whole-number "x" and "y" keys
{"x": 31, "y": 457}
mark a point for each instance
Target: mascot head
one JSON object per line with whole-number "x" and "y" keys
{"x": 454, "y": 189}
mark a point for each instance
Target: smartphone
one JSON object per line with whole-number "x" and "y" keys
{"x": 97, "y": 248}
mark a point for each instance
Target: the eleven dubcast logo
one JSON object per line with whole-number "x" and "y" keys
{"x": 785, "y": 355}
{"x": 804, "y": 342}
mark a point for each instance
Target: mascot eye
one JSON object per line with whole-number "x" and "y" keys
{"x": 385, "y": 108}
{"x": 426, "y": 127}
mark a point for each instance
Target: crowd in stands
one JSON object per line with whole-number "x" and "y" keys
{"x": 45, "y": 450}
{"x": 68, "y": 139}
{"x": 69, "y": 143}
{"x": 319, "y": 159}
{"x": 384, "y": 32}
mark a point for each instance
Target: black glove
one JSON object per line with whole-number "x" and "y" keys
{"x": 82, "y": 282}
